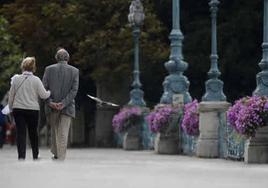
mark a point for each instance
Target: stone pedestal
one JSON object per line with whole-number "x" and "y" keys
{"x": 209, "y": 123}
{"x": 165, "y": 144}
{"x": 104, "y": 130}
{"x": 256, "y": 148}
{"x": 77, "y": 129}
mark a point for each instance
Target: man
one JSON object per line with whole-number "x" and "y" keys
{"x": 62, "y": 80}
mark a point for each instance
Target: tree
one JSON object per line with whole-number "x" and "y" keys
{"x": 10, "y": 56}
{"x": 108, "y": 48}
{"x": 102, "y": 49}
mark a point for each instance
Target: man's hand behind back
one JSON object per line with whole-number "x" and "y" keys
{"x": 56, "y": 106}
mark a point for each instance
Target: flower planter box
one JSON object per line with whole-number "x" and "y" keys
{"x": 164, "y": 122}
{"x": 131, "y": 142}
{"x": 256, "y": 148}
{"x": 132, "y": 139}
{"x": 128, "y": 123}
{"x": 167, "y": 144}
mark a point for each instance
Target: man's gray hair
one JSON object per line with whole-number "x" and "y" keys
{"x": 62, "y": 55}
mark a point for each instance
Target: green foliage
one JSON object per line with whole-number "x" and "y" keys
{"x": 96, "y": 33}
{"x": 108, "y": 47}
{"x": 10, "y": 56}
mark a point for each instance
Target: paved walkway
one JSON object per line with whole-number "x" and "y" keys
{"x": 115, "y": 168}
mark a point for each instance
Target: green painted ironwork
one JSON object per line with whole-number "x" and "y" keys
{"x": 235, "y": 144}
{"x": 136, "y": 18}
{"x": 231, "y": 144}
{"x": 176, "y": 82}
{"x": 214, "y": 86}
{"x": 262, "y": 77}
{"x": 188, "y": 144}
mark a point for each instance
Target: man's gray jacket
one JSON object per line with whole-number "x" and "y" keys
{"x": 63, "y": 81}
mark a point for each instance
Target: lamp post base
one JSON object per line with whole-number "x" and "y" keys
{"x": 136, "y": 98}
{"x": 214, "y": 91}
{"x": 262, "y": 83}
{"x": 175, "y": 84}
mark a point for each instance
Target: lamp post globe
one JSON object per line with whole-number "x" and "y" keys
{"x": 136, "y": 13}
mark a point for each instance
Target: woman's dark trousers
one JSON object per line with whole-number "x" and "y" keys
{"x": 26, "y": 119}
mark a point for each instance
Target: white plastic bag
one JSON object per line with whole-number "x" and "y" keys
{"x": 6, "y": 110}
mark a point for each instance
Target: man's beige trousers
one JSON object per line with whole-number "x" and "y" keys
{"x": 60, "y": 125}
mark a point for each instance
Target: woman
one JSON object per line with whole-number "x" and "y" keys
{"x": 23, "y": 100}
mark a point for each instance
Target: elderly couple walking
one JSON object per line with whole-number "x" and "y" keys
{"x": 59, "y": 88}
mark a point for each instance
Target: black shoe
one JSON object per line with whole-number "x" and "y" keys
{"x": 54, "y": 157}
{"x": 37, "y": 158}
{"x": 21, "y": 159}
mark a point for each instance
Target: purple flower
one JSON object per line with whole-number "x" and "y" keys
{"x": 160, "y": 118}
{"x": 127, "y": 116}
{"x": 248, "y": 114}
{"x": 266, "y": 106}
{"x": 190, "y": 121}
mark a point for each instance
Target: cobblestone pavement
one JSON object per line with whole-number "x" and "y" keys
{"x": 116, "y": 168}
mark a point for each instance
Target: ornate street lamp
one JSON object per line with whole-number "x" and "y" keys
{"x": 262, "y": 77}
{"x": 175, "y": 82}
{"x": 136, "y": 18}
{"x": 214, "y": 86}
